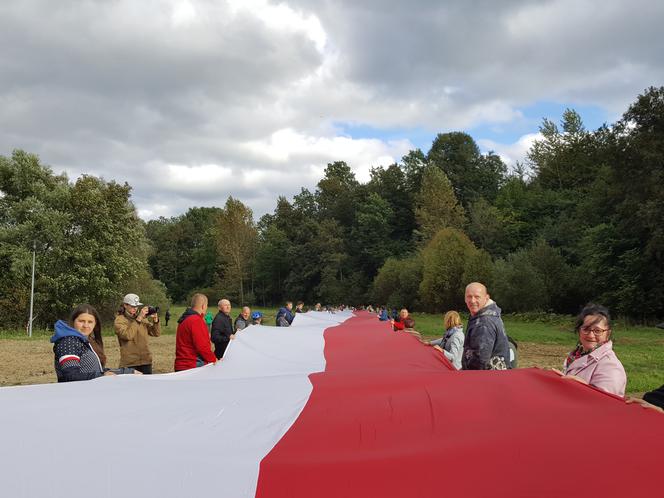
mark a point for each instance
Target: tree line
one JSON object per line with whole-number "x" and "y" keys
{"x": 89, "y": 244}
{"x": 580, "y": 221}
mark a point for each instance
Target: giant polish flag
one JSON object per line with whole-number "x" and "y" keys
{"x": 336, "y": 405}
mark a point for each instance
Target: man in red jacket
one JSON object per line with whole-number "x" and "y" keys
{"x": 192, "y": 340}
{"x": 401, "y": 322}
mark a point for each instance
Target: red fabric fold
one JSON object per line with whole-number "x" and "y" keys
{"x": 390, "y": 417}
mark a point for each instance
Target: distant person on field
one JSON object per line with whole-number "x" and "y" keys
{"x": 78, "y": 347}
{"x": 398, "y": 324}
{"x": 133, "y": 326}
{"x": 192, "y": 340}
{"x": 257, "y": 318}
{"x": 485, "y": 346}
{"x": 243, "y": 320}
{"x": 222, "y": 328}
{"x": 209, "y": 318}
{"x": 285, "y": 315}
{"x": 167, "y": 316}
{"x": 452, "y": 342}
{"x": 382, "y": 314}
{"x": 593, "y": 360}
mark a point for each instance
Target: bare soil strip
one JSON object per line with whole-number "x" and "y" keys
{"x": 31, "y": 362}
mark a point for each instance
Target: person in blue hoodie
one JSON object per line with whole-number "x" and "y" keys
{"x": 285, "y": 316}
{"x": 79, "y": 348}
{"x": 382, "y": 315}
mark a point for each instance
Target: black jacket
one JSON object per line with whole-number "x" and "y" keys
{"x": 241, "y": 323}
{"x": 222, "y": 330}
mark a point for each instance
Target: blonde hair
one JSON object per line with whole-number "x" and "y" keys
{"x": 451, "y": 319}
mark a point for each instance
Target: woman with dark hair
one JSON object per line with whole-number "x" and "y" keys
{"x": 79, "y": 348}
{"x": 593, "y": 360}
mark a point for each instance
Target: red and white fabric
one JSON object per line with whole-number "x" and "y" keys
{"x": 333, "y": 406}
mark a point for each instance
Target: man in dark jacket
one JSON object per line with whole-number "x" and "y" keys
{"x": 285, "y": 316}
{"x": 485, "y": 347}
{"x": 222, "y": 328}
{"x": 243, "y": 320}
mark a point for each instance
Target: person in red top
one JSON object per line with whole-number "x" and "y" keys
{"x": 192, "y": 339}
{"x": 403, "y": 316}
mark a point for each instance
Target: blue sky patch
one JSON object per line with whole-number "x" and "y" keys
{"x": 503, "y": 133}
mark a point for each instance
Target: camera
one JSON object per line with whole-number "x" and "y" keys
{"x": 152, "y": 310}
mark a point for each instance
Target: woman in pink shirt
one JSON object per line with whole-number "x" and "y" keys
{"x": 593, "y": 360}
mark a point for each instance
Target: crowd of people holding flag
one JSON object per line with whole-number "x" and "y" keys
{"x": 484, "y": 345}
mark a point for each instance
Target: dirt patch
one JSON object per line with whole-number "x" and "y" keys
{"x": 31, "y": 362}
{"x": 532, "y": 354}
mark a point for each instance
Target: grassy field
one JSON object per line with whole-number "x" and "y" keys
{"x": 541, "y": 344}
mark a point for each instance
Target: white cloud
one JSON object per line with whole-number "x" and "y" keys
{"x": 184, "y": 13}
{"x": 194, "y": 100}
{"x": 196, "y": 178}
{"x": 511, "y": 153}
{"x": 283, "y": 17}
{"x": 288, "y": 147}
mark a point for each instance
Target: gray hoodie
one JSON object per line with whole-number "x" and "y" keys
{"x": 485, "y": 346}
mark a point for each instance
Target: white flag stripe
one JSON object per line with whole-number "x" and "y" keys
{"x": 202, "y": 431}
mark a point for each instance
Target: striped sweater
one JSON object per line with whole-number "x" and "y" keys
{"x": 74, "y": 357}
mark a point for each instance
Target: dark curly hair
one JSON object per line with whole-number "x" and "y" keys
{"x": 592, "y": 309}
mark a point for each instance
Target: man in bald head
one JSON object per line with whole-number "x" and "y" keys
{"x": 222, "y": 328}
{"x": 192, "y": 340}
{"x": 485, "y": 347}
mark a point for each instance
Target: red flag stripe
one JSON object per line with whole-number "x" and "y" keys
{"x": 389, "y": 418}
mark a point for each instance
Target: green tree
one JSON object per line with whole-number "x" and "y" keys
{"x": 413, "y": 165}
{"x": 272, "y": 264}
{"x": 392, "y": 185}
{"x": 638, "y": 200}
{"x": 472, "y": 174}
{"x": 370, "y": 234}
{"x": 184, "y": 251}
{"x": 449, "y": 262}
{"x": 90, "y": 244}
{"x": 317, "y": 252}
{"x": 335, "y": 194}
{"x": 437, "y": 206}
{"x": 236, "y": 243}
{"x": 397, "y": 282}
{"x": 518, "y": 285}
{"x": 564, "y": 159}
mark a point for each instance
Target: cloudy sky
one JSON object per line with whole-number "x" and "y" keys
{"x": 194, "y": 100}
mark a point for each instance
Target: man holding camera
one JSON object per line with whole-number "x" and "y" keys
{"x": 133, "y": 326}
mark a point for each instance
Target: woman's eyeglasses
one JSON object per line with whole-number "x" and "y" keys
{"x": 593, "y": 330}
